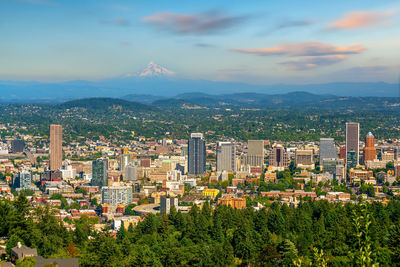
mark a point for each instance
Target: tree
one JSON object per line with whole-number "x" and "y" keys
{"x": 13, "y": 242}
{"x": 71, "y": 250}
{"x": 268, "y": 256}
{"x": 26, "y": 262}
{"x": 121, "y": 234}
{"x": 288, "y": 252}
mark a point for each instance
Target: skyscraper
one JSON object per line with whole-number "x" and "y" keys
{"x": 226, "y": 156}
{"x": 255, "y": 153}
{"x": 23, "y": 179}
{"x": 369, "y": 149}
{"x": 353, "y": 142}
{"x": 327, "y": 149}
{"x": 279, "y": 157}
{"x": 55, "y": 146}
{"x": 100, "y": 172}
{"x": 196, "y": 154}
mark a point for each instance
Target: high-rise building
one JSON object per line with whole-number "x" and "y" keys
{"x": 327, "y": 149}
{"x": 115, "y": 195}
{"x": 124, "y": 161}
{"x": 100, "y": 172}
{"x": 17, "y": 146}
{"x": 196, "y": 154}
{"x": 166, "y": 203}
{"x": 255, "y": 153}
{"x": 130, "y": 172}
{"x": 226, "y": 156}
{"x": 330, "y": 165}
{"x": 23, "y": 179}
{"x": 353, "y": 142}
{"x": 304, "y": 157}
{"x": 369, "y": 149}
{"x": 279, "y": 157}
{"x": 55, "y": 146}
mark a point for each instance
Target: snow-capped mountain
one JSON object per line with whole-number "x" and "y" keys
{"x": 153, "y": 70}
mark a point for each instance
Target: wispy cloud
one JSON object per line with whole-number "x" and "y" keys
{"x": 361, "y": 19}
{"x": 305, "y": 49}
{"x": 205, "y": 45}
{"x": 293, "y": 23}
{"x": 201, "y": 23}
{"x": 309, "y": 54}
{"x": 117, "y": 22}
{"x": 307, "y": 63}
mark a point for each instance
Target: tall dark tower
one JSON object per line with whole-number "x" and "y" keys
{"x": 352, "y": 144}
{"x": 196, "y": 154}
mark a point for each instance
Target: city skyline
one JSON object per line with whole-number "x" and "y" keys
{"x": 248, "y": 42}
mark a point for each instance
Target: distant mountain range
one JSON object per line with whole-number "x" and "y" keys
{"x": 293, "y": 100}
{"x": 155, "y": 82}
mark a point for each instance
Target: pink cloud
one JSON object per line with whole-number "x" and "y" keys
{"x": 361, "y": 19}
{"x": 305, "y": 49}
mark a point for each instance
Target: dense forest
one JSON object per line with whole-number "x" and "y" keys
{"x": 116, "y": 119}
{"x": 313, "y": 234}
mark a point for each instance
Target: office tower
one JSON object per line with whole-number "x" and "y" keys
{"x": 396, "y": 151}
{"x": 330, "y": 165}
{"x": 196, "y": 154}
{"x": 255, "y": 153}
{"x": 353, "y": 142}
{"x": 130, "y": 173}
{"x": 114, "y": 195}
{"x": 304, "y": 157}
{"x": 369, "y": 149}
{"x": 166, "y": 202}
{"x": 55, "y": 146}
{"x": 327, "y": 149}
{"x": 23, "y": 180}
{"x": 226, "y": 156}
{"x": 351, "y": 159}
{"x": 17, "y": 146}
{"x": 279, "y": 157}
{"x": 124, "y": 161}
{"x": 100, "y": 172}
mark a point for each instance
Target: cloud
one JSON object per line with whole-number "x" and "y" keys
{"x": 307, "y": 63}
{"x": 361, "y": 19}
{"x": 304, "y": 49}
{"x": 308, "y": 55}
{"x": 117, "y": 22}
{"x": 185, "y": 24}
{"x": 204, "y": 45}
{"x": 294, "y": 23}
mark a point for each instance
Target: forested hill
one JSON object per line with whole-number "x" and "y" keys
{"x": 99, "y": 103}
{"x": 298, "y": 100}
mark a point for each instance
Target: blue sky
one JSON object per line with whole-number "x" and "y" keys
{"x": 262, "y": 42}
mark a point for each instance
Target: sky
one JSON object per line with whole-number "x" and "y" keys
{"x": 258, "y": 42}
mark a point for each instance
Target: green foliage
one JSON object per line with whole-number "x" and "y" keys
{"x": 26, "y": 262}
{"x": 316, "y": 233}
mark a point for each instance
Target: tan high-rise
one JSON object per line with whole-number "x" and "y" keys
{"x": 55, "y": 146}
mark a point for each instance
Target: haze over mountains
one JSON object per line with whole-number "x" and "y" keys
{"x": 155, "y": 82}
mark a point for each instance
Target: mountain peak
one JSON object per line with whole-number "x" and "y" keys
{"x": 153, "y": 69}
